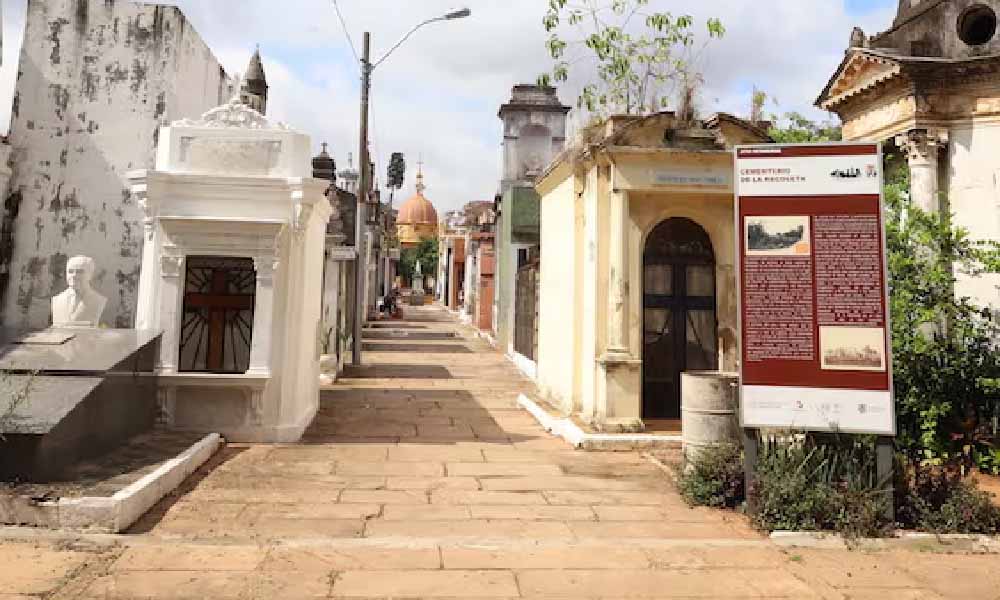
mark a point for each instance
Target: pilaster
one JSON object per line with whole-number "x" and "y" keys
{"x": 260, "y": 344}
{"x": 171, "y": 304}
{"x": 618, "y": 274}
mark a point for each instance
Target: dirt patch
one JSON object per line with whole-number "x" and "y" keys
{"x": 112, "y": 472}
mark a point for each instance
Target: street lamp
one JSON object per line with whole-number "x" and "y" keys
{"x": 360, "y": 270}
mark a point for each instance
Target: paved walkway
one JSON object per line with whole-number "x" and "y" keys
{"x": 420, "y": 478}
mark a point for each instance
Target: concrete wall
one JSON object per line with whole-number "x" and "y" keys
{"x": 96, "y": 80}
{"x": 973, "y": 192}
{"x": 559, "y": 287}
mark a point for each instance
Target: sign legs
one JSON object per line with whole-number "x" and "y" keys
{"x": 751, "y": 439}
{"x": 884, "y": 456}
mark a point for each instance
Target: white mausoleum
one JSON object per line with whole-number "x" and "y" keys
{"x": 232, "y": 270}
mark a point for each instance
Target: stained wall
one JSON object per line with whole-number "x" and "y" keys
{"x": 96, "y": 80}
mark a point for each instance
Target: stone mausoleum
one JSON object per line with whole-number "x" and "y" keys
{"x": 534, "y": 132}
{"x": 638, "y": 282}
{"x": 929, "y": 88}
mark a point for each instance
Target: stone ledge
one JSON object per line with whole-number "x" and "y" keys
{"x": 565, "y": 428}
{"x": 118, "y": 512}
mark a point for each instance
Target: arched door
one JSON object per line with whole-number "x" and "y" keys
{"x": 679, "y": 324}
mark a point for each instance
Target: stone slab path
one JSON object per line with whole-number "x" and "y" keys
{"x": 420, "y": 478}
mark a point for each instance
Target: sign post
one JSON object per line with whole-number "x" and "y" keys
{"x": 813, "y": 295}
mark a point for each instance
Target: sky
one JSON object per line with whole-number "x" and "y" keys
{"x": 436, "y": 98}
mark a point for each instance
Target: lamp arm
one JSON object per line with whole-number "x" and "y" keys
{"x": 403, "y": 39}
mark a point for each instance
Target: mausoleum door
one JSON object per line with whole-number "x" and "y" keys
{"x": 679, "y": 320}
{"x": 217, "y": 326}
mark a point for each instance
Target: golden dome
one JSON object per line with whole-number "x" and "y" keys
{"x": 418, "y": 209}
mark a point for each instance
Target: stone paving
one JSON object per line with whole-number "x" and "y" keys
{"x": 420, "y": 478}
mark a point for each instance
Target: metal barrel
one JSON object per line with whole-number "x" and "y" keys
{"x": 709, "y": 401}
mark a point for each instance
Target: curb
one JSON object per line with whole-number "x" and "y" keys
{"x": 578, "y": 438}
{"x": 118, "y": 512}
{"x": 904, "y": 540}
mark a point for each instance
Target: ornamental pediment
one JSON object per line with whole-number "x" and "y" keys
{"x": 858, "y": 72}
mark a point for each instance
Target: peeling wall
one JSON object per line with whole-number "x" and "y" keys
{"x": 96, "y": 79}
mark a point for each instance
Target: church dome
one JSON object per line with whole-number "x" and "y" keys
{"x": 418, "y": 209}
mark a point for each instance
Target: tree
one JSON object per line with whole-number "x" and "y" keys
{"x": 794, "y": 128}
{"x": 426, "y": 252}
{"x": 636, "y": 65}
{"x": 396, "y": 174}
{"x": 946, "y": 363}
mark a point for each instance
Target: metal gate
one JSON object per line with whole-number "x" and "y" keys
{"x": 679, "y": 320}
{"x": 526, "y": 309}
{"x": 218, "y": 315}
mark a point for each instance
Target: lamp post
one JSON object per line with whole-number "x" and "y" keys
{"x": 361, "y": 269}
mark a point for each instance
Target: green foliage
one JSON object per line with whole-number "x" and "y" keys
{"x": 715, "y": 478}
{"x": 940, "y": 500}
{"x": 794, "y": 128}
{"x": 396, "y": 172}
{"x": 635, "y": 63}
{"x": 426, "y": 252}
{"x": 802, "y": 484}
{"x": 945, "y": 358}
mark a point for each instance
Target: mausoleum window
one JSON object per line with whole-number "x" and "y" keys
{"x": 977, "y": 25}
{"x": 217, "y": 325}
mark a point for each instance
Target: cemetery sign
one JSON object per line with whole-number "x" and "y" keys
{"x": 814, "y": 326}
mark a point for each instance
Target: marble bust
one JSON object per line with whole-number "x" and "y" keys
{"x": 79, "y": 305}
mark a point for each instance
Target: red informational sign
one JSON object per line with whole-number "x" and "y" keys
{"x": 815, "y": 346}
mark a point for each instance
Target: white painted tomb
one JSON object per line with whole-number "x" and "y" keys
{"x": 232, "y": 273}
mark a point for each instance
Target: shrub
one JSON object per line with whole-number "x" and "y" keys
{"x": 714, "y": 478}
{"x": 805, "y": 485}
{"x": 941, "y": 500}
{"x": 946, "y": 365}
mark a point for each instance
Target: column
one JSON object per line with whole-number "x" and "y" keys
{"x": 260, "y": 343}
{"x": 922, "y": 148}
{"x": 618, "y": 274}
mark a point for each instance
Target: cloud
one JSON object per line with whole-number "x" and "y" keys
{"x": 437, "y": 96}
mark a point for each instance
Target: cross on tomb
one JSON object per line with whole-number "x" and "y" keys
{"x": 224, "y": 289}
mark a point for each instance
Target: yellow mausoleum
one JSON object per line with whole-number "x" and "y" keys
{"x": 417, "y": 218}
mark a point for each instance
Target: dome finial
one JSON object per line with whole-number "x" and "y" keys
{"x": 420, "y": 177}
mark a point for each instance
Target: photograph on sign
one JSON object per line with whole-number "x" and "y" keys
{"x": 777, "y": 236}
{"x": 852, "y": 348}
{"x": 813, "y": 309}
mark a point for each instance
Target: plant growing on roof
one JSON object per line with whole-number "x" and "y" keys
{"x": 640, "y": 56}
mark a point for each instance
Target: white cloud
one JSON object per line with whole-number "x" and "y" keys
{"x": 438, "y": 95}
